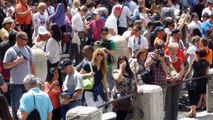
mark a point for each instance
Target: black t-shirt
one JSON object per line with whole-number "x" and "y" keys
{"x": 198, "y": 9}
{"x": 4, "y": 46}
{"x": 1, "y": 80}
{"x": 98, "y": 74}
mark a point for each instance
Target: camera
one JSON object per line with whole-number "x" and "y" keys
{"x": 160, "y": 52}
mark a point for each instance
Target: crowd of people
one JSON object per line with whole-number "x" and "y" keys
{"x": 167, "y": 41}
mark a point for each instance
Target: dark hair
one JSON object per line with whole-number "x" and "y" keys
{"x": 194, "y": 15}
{"x": 120, "y": 1}
{"x": 204, "y": 41}
{"x": 137, "y": 27}
{"x": 168, "y": 22}
{"x": 197, "y": 32}
{"x": 90, "y": 4}
{"x": 149, "y": 24}
{"x": 55, "y": 32}
{"x": 128, "y": 69}
{"x": 201, "y": 53}
{"x": 50, "y": 75}
{"x": 104, "y": 29}
{"x": 140, "y": 8}
{"x": 139, "y": 52}
{"x": 5, "y": 113}
{"x": 12, "y": 37}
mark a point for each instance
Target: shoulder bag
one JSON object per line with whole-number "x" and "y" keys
{"x": 88, "y": 82}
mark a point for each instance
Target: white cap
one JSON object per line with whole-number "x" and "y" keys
{"x": 42, "y": 30}
{"x": 7, "y": 20}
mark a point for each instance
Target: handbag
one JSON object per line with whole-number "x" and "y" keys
{"x": 189, "y": 85}
{"x": 88, "y": 82}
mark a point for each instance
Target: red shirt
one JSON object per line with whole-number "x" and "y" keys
{"x": 24, "y": 19}
{"x": 176, "y": 65}
{"x": 96, "y": 29}
{"x": 180, "y": 54}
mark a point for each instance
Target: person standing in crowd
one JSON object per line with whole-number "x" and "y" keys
{"x": 8, "y": 27}
{"x": 2, "y": 13}
{"x": 201, "y": 68}
{"x": 176, "y": 37}
{"x": 190, "y": 53}
{"x": 110, "y": 49}
{"x": 199, "y": 8}
{"x": 49, "y": 9}
{"x": 160, "y": 34}
{"x": 123, "y": 17}
{"x": 195, "y": 23}
{"x": 73, "y": 82}
{"x": 53, "y": 46}
{"x": 59, "y": 16}
{"x": 42, "y": 38}
{"x": 99, "y": 93}
{"x": 173, "y": 92}
{"x": 34, "y": 98}
{"x": 40, "y": 19}
{"x": 75, "y": 5}
{"x": 125, "y": 84}
{"x": 96, "y": 25}
{"x": 87, "y": 53}
{"x": 23, "y": 17}
{"x": 207, "y": 25}
{"x": 5, "y": 114}
{"x": 53, "y": 87}
{"x": 20, "y": 60}
{"x": 78, "y": 26}
{"x": 209, "y": 8}
{"x": 112, "y": 21}
{"x": 137, "y": 41}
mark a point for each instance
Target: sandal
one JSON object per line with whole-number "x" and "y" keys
{"x": 191, "y": 115}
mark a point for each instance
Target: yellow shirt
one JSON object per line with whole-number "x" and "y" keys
{"x": 4, "y": 34}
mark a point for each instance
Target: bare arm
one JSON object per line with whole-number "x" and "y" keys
{"x": 21, "y": 14}
{"x": 166, "y": 68}
{"x": 33, "y": 69}
{"x": 77, "y": 94}
{"x": 4, "y": 88}
{"x": 22, "y": 115}
{"x": 9, "y": 65}
{"x": 111, "y": 31}
{"x": 49, "y": 116}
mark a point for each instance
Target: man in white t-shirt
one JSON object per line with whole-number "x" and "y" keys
{"x": 190, "y": 53}
{"x": 122, "y": 19}
{"x": 111, "y": 22}
{"x": 50, "y": 9}
{"x": 137, "y": 41}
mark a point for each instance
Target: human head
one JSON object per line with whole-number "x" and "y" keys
{"x": 173, "y": 48}
{"x": 52, "y": 74}
{"x": 141, "y": 55}
{"x": 169, "y": 23}
{"x": 176, "y": 34}
{"x": 55, "y": 32}
{"x": 42, "y": 7}
{"x": 205, "y": 17}
{"x": 160, "y": 32}
{"x": 76, "y": 4}
{"x": 211, "y": 18}
{"x": 4, "y": 107}
{"x": 117, "y": 10}
{"x": 196, "y": 40}
{"x": 104, "y": 33}
{"x": 201, "y": 53}
{"x": 21, "y": 39}
{"x": 204, "y": 42}
{"x": 141, "y": 2}
{"x": 137, "y": 30}
{"x": 7, "y": 22}
{"x": 87, "y": 52}
{"x": 83, "y": 10}
{"x": 122, "y": 59}
{"x": 40, "y": 84}
{"x": 195, "y": 17}
{"x": 24, "y": 1}
{"x": 66, "y": 66}
{"x": 2, "y": 3}
{"x": 30, "y": 81}
{"x": 96, "y": 14}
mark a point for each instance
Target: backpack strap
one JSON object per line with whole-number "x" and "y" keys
{"x": 19, "y": 53}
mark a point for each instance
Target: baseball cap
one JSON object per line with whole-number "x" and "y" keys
{"x": 174, "y": 31}
{"x": 96, "y": 11}
{"x": 117, "y": 8}
{"x": 159, "y": 28}
{"x": 64, "y": 63}
{"x": 42, "y": 30}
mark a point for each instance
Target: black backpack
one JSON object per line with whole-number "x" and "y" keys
{"x": 34, "y": 115}
{"x": 110, "y": 58}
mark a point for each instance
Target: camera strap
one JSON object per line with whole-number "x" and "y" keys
{"x": 139, "y": 42}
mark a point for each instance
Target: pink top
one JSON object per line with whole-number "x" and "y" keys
{"x": 96, "y": 29}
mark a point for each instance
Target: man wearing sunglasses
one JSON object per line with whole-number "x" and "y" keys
{"x": 20, "y": 60}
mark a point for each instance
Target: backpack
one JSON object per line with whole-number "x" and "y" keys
{"x": 106, "y": 44}
{"x": 20, "y": 54}
{"x": 34, "y": 115}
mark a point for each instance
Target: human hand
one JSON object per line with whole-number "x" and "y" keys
{"x": 20, "y": 59}
{"x": 65, "y": 101}
{"x": 92, "y": 73}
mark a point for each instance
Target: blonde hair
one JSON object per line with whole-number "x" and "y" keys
{"x": 76, "y": 4}
{"x": 42, "y": 5}
{"x": 103, "y": 64}
{"x": 173, "y": 45}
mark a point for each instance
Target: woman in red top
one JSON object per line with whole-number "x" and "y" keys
{"x": 53, "y": 89}
{"x": 173, "y": 92}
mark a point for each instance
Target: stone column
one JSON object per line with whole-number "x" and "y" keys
{"x": 209, "y": 93}
{"x": 150, "y": 105}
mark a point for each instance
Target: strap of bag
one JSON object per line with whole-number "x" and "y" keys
{"x": 34, "y": 101}
{"x": 90, "y": 65}
{"x": 19, "y": 52}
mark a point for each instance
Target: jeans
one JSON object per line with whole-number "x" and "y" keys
{"x": 16, "y": 92}
{"x": 171, "y": 102}
{"x": 66, "y": 108}
{"x": 110, "y": 79}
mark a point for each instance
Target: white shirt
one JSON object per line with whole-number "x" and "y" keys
{"x": 192, "y": 25}
{"x": 39, "y": 20}
{"x": 135, "y": 44}
{"x": 111, "y": 23}
{"x": 191, "y": 51}
{"x": 207, "y": 10}
{"x": 123, "y": 17}
{"x": 132, "y": 6}
{"x": 50, "y": 10}
{"x": 77, "y": 23}
{"x": 53, "y": 50}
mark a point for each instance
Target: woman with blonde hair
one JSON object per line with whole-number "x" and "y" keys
{"x": 75, "y": 5}
{"x": 99, "y": 93}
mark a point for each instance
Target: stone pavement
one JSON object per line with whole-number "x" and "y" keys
{"x": 200, "y": 116}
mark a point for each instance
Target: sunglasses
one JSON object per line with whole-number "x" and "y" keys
{"x": 99, "y": 54}
{"x": 24, "y": 39}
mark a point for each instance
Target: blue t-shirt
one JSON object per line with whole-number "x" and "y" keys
{"x": 42, "y": 100}
{"x": 205, "y": 26}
